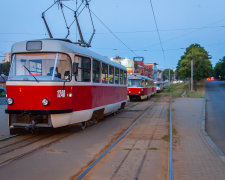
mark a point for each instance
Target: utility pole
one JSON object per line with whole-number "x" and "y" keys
{"x": 169, "y": 77}
{"x": 192, "y": 85}
{"x": 174, "y": 75}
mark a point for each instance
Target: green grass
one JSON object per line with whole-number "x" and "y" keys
{"x": 174, "y": 131}
{"x": 165, "y": 137}
{"x": 199, "y": 90}
{"x": 182, "y": 90}
{"x": 129, "y": 149}
{"x": 176, "y": 89}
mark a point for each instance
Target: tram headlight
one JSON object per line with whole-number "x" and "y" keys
{"x": 45, "y": 102}
{"x": 10, "y": 101}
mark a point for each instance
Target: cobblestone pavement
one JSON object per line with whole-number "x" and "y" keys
{"x": 142, "y": 154}
{"x": 194, "y": 159}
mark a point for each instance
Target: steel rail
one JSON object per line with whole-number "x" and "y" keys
{"x": 171, "y": 142}
{"x": 9, "y": 137}
{"x": 20, "y": 156}
{"x": 117, "y": 140}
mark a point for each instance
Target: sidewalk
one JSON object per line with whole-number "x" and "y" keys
{"x": 142, "y": 154}
{"x": 193, "y": 159}
{"x": 4, "y": 127}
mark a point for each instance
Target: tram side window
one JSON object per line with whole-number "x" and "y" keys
{"x": 84, "y": 69}
{"x": 125, "y": 77}
{"x": 104, "y": 73}
{"x": 111, "y": 74}
{"x": 121, "y": 76}
{"x": 148, "y": 83}
{"x": 116, "y": 76}
{"x": 96, "y": 71}
{"x": 143, "y": 83}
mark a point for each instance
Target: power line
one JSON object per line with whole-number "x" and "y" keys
{"x": 113, "y": 33}
{"x": 157, "y": 30}
{"x": 125, "y": 32}
{"x": 185, "y": 34}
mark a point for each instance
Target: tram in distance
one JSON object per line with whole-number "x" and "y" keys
{"x": 140, "y": 87}
{"x": 159, "y": 86}
{"x": 54, "y": 83}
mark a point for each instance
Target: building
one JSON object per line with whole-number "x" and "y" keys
{"x": 154, "y": 73}
{"x": 7, "y": 58}
{"x": 143, "y": 69}
{"x": 3, "y": 80}
{"x": 136, "y": 65}
{"x": 128, "y": 63}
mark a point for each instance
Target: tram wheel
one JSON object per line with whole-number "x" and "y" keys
{"x": 95, "y": 120}
{"x": 83, "y": 125}
{"x": 12, "y": 131}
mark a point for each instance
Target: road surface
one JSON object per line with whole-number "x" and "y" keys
{"x": 215, "y": 118}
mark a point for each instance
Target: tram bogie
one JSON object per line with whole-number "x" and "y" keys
{"x": 55, "y": 83}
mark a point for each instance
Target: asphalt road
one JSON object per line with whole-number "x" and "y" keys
{"x": 215, "y": 119}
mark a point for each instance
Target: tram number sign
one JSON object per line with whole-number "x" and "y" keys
{"x": 61, "y": 93}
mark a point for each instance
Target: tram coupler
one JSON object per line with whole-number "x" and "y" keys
{"x": 32, "y": 128}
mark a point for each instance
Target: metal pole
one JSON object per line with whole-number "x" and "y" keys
{"x": 174, "y": 78}
{"x": 192, "y": 75}
{"x": 169, "y": 77}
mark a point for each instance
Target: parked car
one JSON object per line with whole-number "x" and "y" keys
{"x": 2, "y": 91}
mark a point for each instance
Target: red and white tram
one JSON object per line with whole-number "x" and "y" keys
{"x": 54, "y": 83}
{"x": 140, "y": 87}
{"x": 159, "y": 86}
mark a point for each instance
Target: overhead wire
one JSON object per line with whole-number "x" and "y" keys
{"x": 121, "y": 32}
{"x": 158, "y": 31}
{"x": 113, "y": 33}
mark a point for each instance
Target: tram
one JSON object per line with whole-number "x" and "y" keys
{"x": 159, "y": 86}
{"x": 140, "y": 87}
{"x": 55, "y": 83}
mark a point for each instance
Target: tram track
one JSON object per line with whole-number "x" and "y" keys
{"x": 128, "y": 153}
{"x": 11, "y": 153}
{"x": 21, "y": 144}
{"x": 154, "y": 114}
{"x": 9, "y": 137}
{"x": 85, "y": 170}
{"x": 13, "y": 148}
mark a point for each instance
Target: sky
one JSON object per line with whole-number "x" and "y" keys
{"x": 180, "y": 23}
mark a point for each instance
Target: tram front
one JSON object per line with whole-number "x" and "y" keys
{"x": 38, "y": 87}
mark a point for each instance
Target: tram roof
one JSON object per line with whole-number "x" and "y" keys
{"x": 134, "y": 76}
{"x": 63, "y": 46}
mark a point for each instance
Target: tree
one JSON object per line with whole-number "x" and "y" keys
{"x": 202, "y": 63}
{"x": 5, "y": 68}
{"x": 166, "y": 74}
{"x": 219, "y": 70}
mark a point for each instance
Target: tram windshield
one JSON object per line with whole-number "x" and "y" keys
{"x": 40, "y": 67}
{"x": 136, "y": 83}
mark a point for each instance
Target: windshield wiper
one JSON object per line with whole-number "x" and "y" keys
{"x": 31, "y": 73}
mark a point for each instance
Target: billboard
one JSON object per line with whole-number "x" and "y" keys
{"x": 128, "y": 63}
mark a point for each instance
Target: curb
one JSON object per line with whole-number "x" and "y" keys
{"x": 207, "y": 137}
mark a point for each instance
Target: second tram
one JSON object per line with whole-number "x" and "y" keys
{"x": 140, "y": 87}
